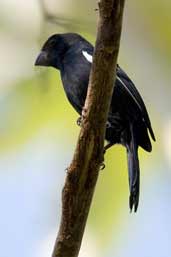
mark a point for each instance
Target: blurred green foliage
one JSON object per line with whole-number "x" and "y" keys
{"x": 36, "y": 100}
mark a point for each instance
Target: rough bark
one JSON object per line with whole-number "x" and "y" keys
{"x": 83, "y": 171}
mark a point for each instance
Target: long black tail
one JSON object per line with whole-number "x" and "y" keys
{"x": 134, "y": 171}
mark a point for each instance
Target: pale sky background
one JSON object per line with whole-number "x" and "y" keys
{"x": 38, "y": 133}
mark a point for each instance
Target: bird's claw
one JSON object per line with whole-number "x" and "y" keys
{"x": 108, "y": 125}
{"x": 79, "y": 121}
{"x": 102, "y": 166}
{"x": 84, "y": 111}
{"x": 66, "y": 170}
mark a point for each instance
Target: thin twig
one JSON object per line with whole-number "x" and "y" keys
{"x": 65, "y": 23}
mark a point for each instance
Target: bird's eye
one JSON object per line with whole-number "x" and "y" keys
{"x": 52, "y": 43}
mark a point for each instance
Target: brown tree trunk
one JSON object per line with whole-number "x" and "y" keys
{"x": 83, "y": 171}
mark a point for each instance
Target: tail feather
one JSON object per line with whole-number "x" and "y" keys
{"x": 134, "y": 171}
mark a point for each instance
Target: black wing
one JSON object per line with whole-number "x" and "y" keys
{"x": 131, "y": 89}
{"x": 123, "y": 78}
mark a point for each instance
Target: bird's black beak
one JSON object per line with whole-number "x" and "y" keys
{"x": 42, "y": 59}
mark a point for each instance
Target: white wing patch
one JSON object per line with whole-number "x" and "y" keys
{"x": 88, "y": 57}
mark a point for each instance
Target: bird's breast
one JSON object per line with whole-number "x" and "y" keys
{"x": 75, "y": 89}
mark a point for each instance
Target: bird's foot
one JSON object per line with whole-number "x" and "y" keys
{"x": 84, "y": 110}
{"x": 108, "y": 125}
{"x": 107, "y": 147}
{"x": 66, "y": 170}
{"x": 81, "y": 118}
{"x": 79, "y": 121}
{"x": 102, "y": 166}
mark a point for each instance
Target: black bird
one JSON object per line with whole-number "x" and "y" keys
{"x": 128, "y": 121}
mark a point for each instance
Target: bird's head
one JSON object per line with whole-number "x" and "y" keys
{"x": 54, "y": 49}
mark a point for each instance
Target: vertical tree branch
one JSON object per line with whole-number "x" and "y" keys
{"x": 83, "y": 171}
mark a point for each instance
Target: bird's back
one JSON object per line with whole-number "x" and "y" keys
{"x": 126, "y": 105}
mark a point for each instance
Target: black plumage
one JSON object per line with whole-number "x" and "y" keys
{"x": 128, "y": 121}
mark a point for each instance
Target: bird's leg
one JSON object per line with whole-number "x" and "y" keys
{"x": 79, "y": 123}
{"x": 84, "y": 110}
{"x": 102, "y": 165}
{"x": 108, "y": 125}
{"x": 80, "y": 119}
{"x": 107, "y": 147}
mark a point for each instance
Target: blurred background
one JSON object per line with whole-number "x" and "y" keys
{"x": 38, "y": 133}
